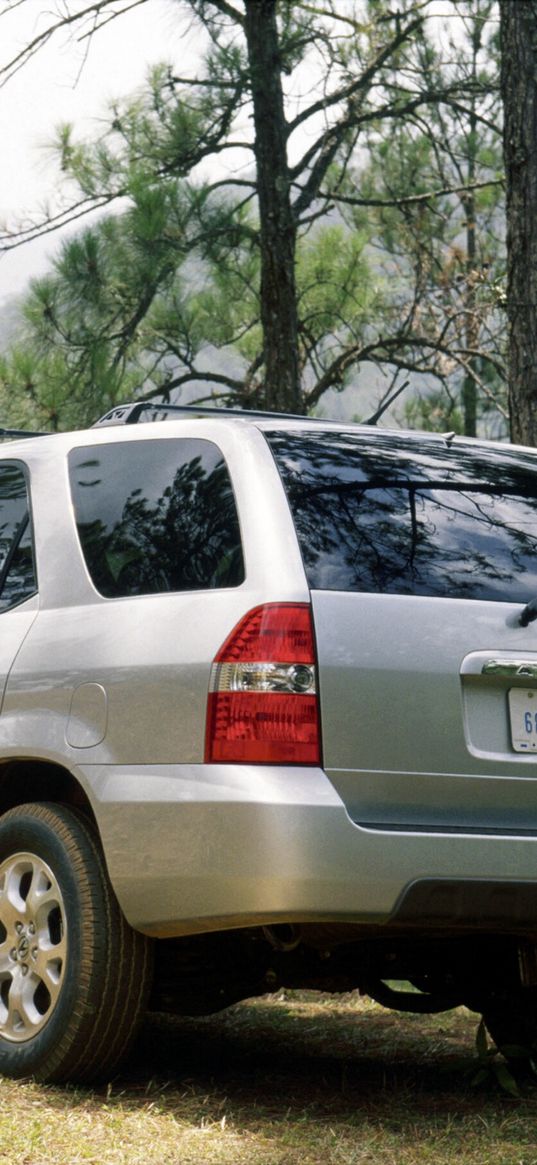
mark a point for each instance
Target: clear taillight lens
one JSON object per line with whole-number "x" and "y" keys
{"x": 263, "y": 706}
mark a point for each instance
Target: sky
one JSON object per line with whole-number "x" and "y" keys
{"x": 64, "y": 83}
{"x": 73, "y": 81}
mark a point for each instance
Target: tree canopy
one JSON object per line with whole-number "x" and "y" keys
{"x": 318, "y": 197}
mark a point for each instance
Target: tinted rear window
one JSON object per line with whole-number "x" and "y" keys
{"x": 379, "y": 515}
{"x": 156, "y": 516}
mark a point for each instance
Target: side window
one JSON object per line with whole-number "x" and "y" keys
{"x": 155, "y": 516}
{"x": 17, "y": 568}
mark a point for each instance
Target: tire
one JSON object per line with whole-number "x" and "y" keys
{"x": 74, "y": 976}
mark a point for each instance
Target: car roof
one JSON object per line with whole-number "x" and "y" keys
{"x": 140, "y": 420}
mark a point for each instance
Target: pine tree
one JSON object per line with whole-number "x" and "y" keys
{"x": 262, "y": 264}
{"x": 519, "y": 92}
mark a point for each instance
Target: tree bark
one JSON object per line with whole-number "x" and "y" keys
{"x": 277, "y": 226}
{"x": 519, "y": 92}
{"x": 469, "y": 389}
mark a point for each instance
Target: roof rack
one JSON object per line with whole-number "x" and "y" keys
{"x": 11, "y": 434}
{"x": 131, "y": 414}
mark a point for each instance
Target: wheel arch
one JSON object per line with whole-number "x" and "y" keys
{"x": 23, "y": 781}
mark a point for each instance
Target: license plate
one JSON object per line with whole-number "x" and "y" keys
{"x": 523, "y": 715}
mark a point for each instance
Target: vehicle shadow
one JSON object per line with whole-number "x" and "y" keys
{"x": 290, "y": 1053}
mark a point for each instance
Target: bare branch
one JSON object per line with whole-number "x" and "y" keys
{"x": 363, "y": 82}
{"x": 325, "y": 148}
{"x": 63, "y": 218}
{"x": 108, "y": 17}
{"x": 236, "y": 386}
{"x": 411, "y": 199}
{"x": 41, "y": 39}
{"x": 202, "y": 83}
{"x": 389, "y": 349}
{"x": 228, "y": 10}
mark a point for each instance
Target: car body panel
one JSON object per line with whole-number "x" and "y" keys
{"x": 208, "y": 847}
{"x": 151, "y": 654}
{"x": 402, "y": 715}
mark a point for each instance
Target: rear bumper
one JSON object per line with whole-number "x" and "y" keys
{"x": 209, "y": 847}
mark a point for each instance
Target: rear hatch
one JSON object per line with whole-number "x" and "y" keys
{"x": 421, "y": 556}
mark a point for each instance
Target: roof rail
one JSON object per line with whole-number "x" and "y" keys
{"x": 131, "y": 414}
{"x": 11, "y": 434}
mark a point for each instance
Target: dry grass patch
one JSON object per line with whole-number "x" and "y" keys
{"x": 297, "y": 1078}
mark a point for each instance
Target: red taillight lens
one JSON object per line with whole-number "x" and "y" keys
{"x": 262, "y": 706}
{"x": 262, "y": 728}
{"x": 274, "y": 633}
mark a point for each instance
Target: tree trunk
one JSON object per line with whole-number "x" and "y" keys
{"x": 469, "y": 389}
{"x": 277, "y": 226}
{"x": 519, "y": 92}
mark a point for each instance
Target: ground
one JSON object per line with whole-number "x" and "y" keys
{"x": 287, "y": 1079}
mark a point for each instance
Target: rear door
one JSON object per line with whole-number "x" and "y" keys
{"x": 421, "y": 555}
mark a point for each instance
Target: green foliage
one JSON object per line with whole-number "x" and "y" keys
{"x": 490, "y": 1068}
{"x": 334, "y": 281}
{"x": 444, "y": 255}
{"x": 136, "y": 302}
{"x": 434, "y": 412}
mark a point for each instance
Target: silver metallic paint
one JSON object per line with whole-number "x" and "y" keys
{"x": 192, "y": 846}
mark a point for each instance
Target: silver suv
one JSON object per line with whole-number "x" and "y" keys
{"x": 269, "y": 717}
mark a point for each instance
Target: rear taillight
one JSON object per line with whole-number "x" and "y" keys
{"x": 262, "y": 705}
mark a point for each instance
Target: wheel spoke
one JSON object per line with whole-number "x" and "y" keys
{"x": 12, "y": 902}
{"x": 9, "y": 916}
{"x": 6, "y": 962}
{"x": 23, "y": 1017}
{"x": 42, "y": 895}
{"x": 47, "y": 967}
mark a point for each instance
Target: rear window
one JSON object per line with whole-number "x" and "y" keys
{"x": 378, "y": 515}
{"x": 156, "y": 516}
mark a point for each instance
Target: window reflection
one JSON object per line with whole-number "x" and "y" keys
{"x": 20, "y": 580}
{"x": 156, "y": 516}
{"x": 375, "y": 515}
{"x": 17, "y": 568}
{"x": 13, "y": 508}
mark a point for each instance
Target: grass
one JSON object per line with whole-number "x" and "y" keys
{"x": 295, "y": 1079}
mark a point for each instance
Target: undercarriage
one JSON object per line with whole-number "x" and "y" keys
{"x": 492, "y": 974}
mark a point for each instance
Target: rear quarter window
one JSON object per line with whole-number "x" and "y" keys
{"x": 156, "y": 516}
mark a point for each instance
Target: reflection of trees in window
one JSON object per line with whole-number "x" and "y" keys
{"x": 19, "y": 581}
{"x": 373, "y": 514}
{"x": 186, "y": 538}
{"x": 13, "y": 507}
{"x": 17, "y": 571}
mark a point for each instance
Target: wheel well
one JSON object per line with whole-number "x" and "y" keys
{"x": 30, "y": 780}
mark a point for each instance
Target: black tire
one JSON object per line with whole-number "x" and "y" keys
{"x": 74, "y": 976}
